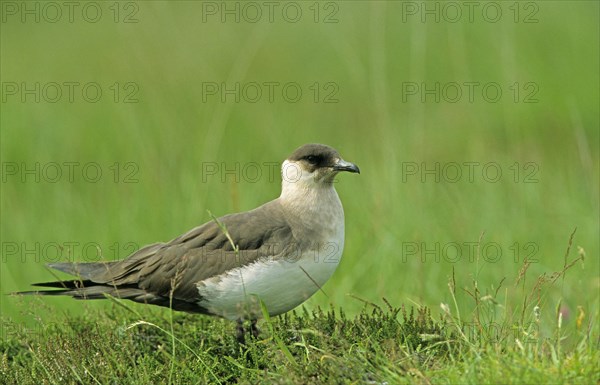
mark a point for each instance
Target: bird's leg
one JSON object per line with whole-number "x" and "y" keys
{"x": 240, "y": 332}
{"x": 253, "y": 328}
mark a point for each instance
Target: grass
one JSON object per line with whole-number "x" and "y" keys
{"x": 378, "y": 345}
{"x": 402, "y": 229}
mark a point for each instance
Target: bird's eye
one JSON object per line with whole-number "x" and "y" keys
{"x": 312, "y": 159}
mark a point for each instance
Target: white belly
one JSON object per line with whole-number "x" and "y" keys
{"x": 281, "y": 284}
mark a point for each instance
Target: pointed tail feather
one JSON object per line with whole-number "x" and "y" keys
{"x": 87, "y": 270}
{"x": 85, "y": 287}
{"x": 124, "y": 292}
{"x": 89, "y": 290}
{"x": 83, "y": 290}
{"x": 95, "y": 283}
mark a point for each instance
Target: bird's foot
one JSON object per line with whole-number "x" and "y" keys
{"x": 254, "y": 329}
{"x": 241, "y": 331}
{"x": 240, "y": 335}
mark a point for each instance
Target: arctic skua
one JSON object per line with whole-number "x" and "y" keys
{"x": 281, "y": 252}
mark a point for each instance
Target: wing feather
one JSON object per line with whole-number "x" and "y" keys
{"x": 201, "y": 253}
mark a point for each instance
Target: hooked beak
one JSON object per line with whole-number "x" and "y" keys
{"x": 342, "y": 165}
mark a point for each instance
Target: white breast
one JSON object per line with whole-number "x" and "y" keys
{"x": 281, "y": 284}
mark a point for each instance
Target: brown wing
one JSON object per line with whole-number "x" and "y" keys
{"x": 149, "y": 274}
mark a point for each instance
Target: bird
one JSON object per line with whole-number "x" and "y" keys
{"x": 277, "y": 255}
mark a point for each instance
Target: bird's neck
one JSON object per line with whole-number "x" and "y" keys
{"x": 315, "y": 206}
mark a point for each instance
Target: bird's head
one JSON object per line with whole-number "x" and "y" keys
{"x": 313, "y": 166}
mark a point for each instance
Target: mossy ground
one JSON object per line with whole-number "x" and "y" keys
{"x": 377, "y": 346}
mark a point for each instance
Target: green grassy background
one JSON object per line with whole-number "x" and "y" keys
{"x": 369, "y": 53}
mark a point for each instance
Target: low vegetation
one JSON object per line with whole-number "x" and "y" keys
{"x": 132, "y": 344}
